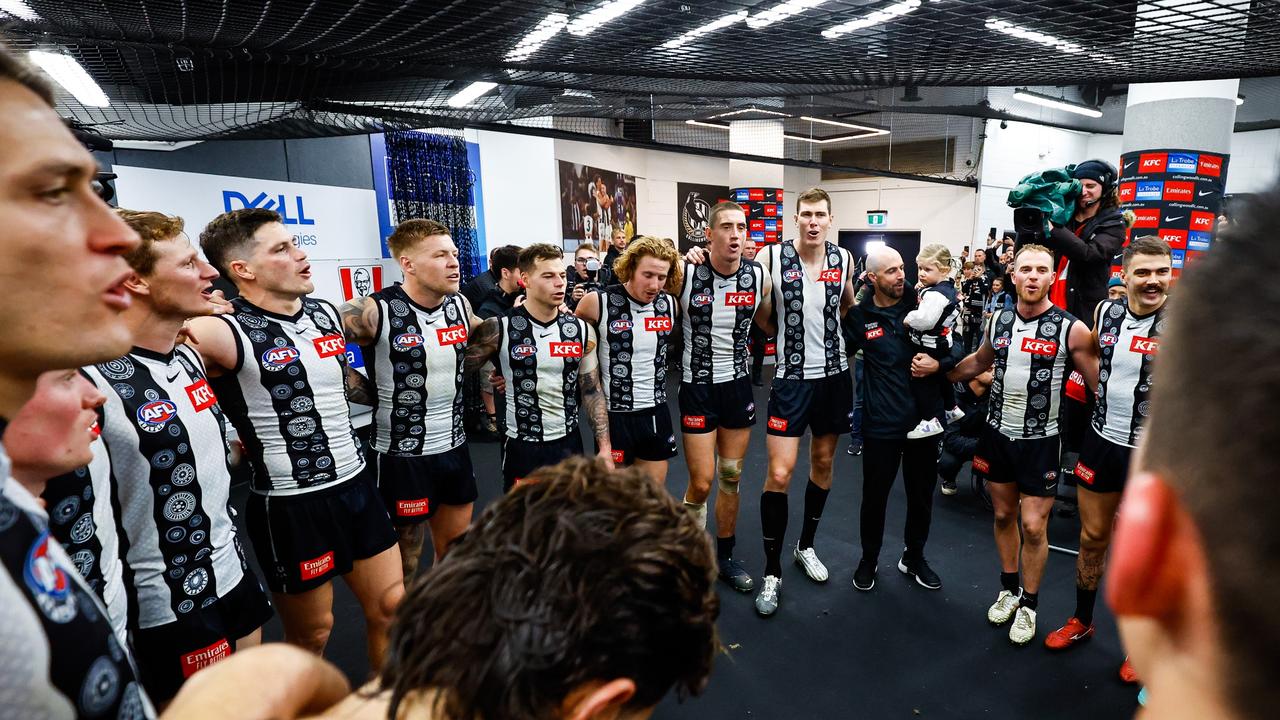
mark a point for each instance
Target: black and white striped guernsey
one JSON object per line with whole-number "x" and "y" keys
{"x": 633, "y": 342}
{"x": 1128, "y": 344}
{"x": 416, "y": 364}
{"x": 540, "y": 362}
{"x": 82, "y": 518}
{"x": 287, "y": 397}
{"x": 810, "y": 342}
{"x": 164, "y": 435}
{"x": 716, "y": 314}
{"x": 1030, "y": 368}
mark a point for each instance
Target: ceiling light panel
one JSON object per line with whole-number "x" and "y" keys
{"x": 469, "y": 94}
{"x": 70, "y": 75}
{"x": 610, "y": 10}
{"x": 707, "y": 29}
{"x": 781, "y": 12}
{"x": 544, "y": 31}
{"x": 895, "y": 10}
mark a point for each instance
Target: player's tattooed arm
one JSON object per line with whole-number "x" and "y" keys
{"x": 360, "y": 389}
{"x": 360, "y": 321}
{"x": 473, "y": 320}
{"x": 482, "y": 345}
{"x": 593, "y": 402}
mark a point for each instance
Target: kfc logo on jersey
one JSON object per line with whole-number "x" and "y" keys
{"x": 1211, "y": 165}
{"x": 1036, "y": 346}
{"x": 1083, "y": 473}
{"x": 695, "y": 422}
{"x": 523, "y": 350}
{"x": 740, "y": 299}
{"x": 279, "y": 357}
{"x": 204, "y": 657}
{"x": 701, "y": 300}
{"x": 792, "y": 275}
{"x": 830, "y": 275}
{"x": 411, "y": 508}
{"x": 1179, "y": 191}
{"x": 1145, "y": 346}
{"x": 980, "y": 464}
{"x": 1152, "y": 163}
{"x": 777, "y": 423}
{"x": 451, "y": 335}
{"x": 153, "y": 415}
{"x": 566, "y": 349}
{"x": 619, "y": 326}
{"x": 875, "y": 333}
{"x": 407, "y": 341}
{"x": 658, "y": 324}
{"x": 201, "y": 395}
{"x": 330, "y": 345}
{"x": 314, "y": 568}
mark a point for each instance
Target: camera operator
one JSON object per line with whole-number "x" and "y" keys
{"x": 1084, "y": 250}
{"x": 585, "y": 275}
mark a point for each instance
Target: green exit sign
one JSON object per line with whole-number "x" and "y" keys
{"x": 877, "y": 218}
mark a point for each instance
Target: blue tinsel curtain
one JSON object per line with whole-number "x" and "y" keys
{"x": 431, "y": 178}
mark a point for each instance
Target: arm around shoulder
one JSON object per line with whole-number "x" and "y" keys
{"x": 213, "y": 338}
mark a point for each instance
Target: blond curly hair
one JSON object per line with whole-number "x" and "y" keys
{"x": 647, "y": 246}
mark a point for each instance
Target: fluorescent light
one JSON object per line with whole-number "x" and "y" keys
{"x": 1009, "y": 28}
{"x": 750, "y": 110}
{"x": 1056, "y": 103}
{"x": 874, "y": 245}
{"x": 717, "y": 126}
{"x": 867, "y": 131}
{"x": 897, "y": 9}
{"x": 544, "y": 31}
{"x": 710, "y": 27}
{"x": 71, "y": 76}
{"x": 781, "y": 11}
{"x": 1239, "y": 100}
{"x": 586, "y": 23}
{"x": 855, "y": 126}
{"x": 464, "y": 96}
{"x": 18, "y": 9}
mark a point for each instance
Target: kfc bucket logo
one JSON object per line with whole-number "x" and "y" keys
{"x": 358, "y": 281}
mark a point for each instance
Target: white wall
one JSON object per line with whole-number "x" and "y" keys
{"x": 1255, "y": 158}
{"x": 942, "y": 213}
{"x": 521, "y": 189}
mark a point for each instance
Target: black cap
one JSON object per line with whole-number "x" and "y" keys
{"x": 1100, "y": 171}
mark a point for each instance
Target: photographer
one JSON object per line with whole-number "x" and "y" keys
{"x": 1084, "y": 250}
{"x": 585, "y": 275}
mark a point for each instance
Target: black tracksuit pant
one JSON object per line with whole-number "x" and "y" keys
{"x": 880, "y": 461}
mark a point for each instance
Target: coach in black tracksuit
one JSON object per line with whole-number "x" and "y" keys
{"x": 875, "y": 325}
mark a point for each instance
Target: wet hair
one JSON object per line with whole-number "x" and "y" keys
{"x": 1217, "y": 369}
{"x": 230, "y": 236}
{"x": 1146, "y": 245}
{"x": 411, "y": 232}
{"x": 645, "y": 246}
{"x": 152, "y": 227}
{"x": 580, "y": 574}
{"x": 536, "y": 253}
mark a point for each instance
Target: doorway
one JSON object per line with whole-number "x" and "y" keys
{"x": 906, "y": 242}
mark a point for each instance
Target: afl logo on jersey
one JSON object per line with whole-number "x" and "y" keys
{"x": 1108, "y": 339}
{"x": 49, "y": 584}
{"x": 523, "y": 350}
{"x": 1001, "y": 342}
{"x": 619, "y": 326}
{"x": 279, "y": 357}
{"x": 792, "y": 275}
{"x": 407, "y": 341}
{"x": 701, "y": 300}
{"x": 153, "y": 416}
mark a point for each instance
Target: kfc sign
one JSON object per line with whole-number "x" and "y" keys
{"x": 452, "y": 335}
{"x": 830, "y": 275}
{"x": 1145, "y": 346}
{"x": 566, "y": 349}
{"x": 201, "y": 395}
{"x": 1036, "y": 346}
{"x": 1152, "y": 163}
{"x": 658, "y": 324}
{"x": 740, "y": 299}
{"x": 330, "y": 345}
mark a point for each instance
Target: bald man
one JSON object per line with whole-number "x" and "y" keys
{"x": 876, "y": 326}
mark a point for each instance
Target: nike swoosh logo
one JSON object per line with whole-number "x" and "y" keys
{"x": 1202, "y": 193}
{"x": 1128, "y": 165}
{"x": 174, "y": 376}
{"x": 1134, "y": 326}
{"x": 1172, "y": 219}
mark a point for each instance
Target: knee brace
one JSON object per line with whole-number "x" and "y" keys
{"x": 728, "y": 472}
{"x": 699, "y": 512}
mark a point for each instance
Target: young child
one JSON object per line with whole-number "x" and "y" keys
{"x": 932, "y": 328}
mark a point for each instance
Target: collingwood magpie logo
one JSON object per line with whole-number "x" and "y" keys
{"x": 694, "y": 218}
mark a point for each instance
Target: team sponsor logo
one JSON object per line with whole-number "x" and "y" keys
{"x": 1108, "y": 339}
{"x": 1146, "y": 346}
{"x": 1127, "y": 191}
{"x": 1146, "y": 217}
{"x": 49, "y": 584}
{"x": 619, "y": 456}
{"x": 314, "y": 568}
{"x": 701, "y": 299}
{"x": 1177, "y": 239}
{"x": 153, "y": 415}
{"x": 1152, "y": 162}
{"x": 793, "y": 274}
{"x": 769, "y": 210}
{"x": 658, "y": 324}
{"x": 1036, "y": 346}
{"x": 736, "y": 299}
{"x": 1182, "y": 163}
{"x": 755, "y": 194}
{"x": 875, "y": 333}
{"x": 279, "y": 357}
{"x": 770, "y": 349}
{"x": 756, "y": 225}
{"x": 696, "y": 422}
{"x": 1202, "y": 221}
{"x": 358, "y": 281}
{"x": 1210, "y": 165}
{"x": 523, "y": 350}
{"x": 1083, "y": 473}
{"x": 830, "y": 275}
{"x": 1179, "y": 191}
{"x": 201, "y": 394}
{"x": 451, "y": 335}
{"x": 412, "y": 508}
{"x": 204, "y": 657}
{"x": 407, "y": 341}
{"x": 980, "y": 464}
{"x": 618, "y": 326}
{"x": 330, "y": 345}
{"x": 1198, "y": 240}
{"x": 1150, "y": 190}
{"x": 1180, "y": 258}
{"x": 777, "y": 423}
{"x": 566, "y": 349}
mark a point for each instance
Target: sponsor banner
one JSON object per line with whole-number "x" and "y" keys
{"x": 764, "y": 213}
{"x": 329, "y": 223}
{"x": 1174, "y": 194}
{"x": 694, "y": 210}
{"x": 359, "y": 280}
{"x": 594, "y": 203}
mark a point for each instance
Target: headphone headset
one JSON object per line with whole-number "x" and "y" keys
{"x": 1109, "y": 182}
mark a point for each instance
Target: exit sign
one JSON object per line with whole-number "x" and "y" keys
{"x": 877, "y": 218}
